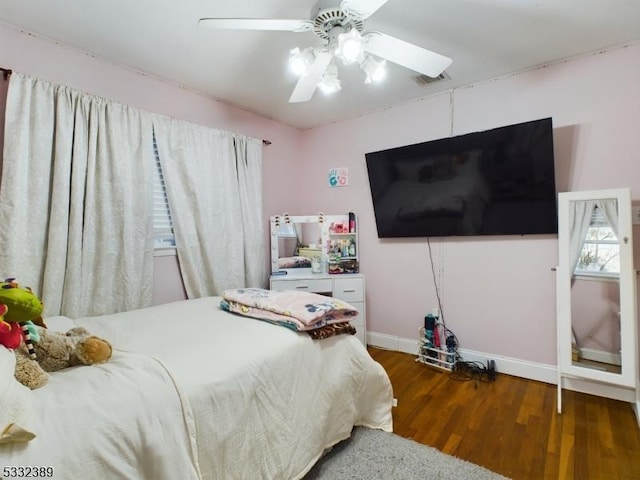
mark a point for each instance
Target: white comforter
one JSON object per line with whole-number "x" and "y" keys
{"x": 265, "y": 401}
{"x": 120, "y": 420}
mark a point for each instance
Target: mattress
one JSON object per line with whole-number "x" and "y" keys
{"x": 247, "y": 399}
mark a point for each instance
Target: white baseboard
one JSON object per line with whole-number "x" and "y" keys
{"x": 541, "y": 372}
{"x": 510, "y": 366}
{"x": 600, "y": 356}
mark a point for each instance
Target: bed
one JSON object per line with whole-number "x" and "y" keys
{"x": 196, "y": 392}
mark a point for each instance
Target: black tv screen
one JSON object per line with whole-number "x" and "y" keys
{"x": 494, "y": 182}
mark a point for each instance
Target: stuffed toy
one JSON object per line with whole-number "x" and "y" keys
{"x": 57, "y": 351}
{"x": 42, "y": 351}
{"x": 22, "y": 303}
{"x": 17, "y": 307}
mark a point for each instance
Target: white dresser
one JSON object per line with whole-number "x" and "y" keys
{"x": 347, "y": 286}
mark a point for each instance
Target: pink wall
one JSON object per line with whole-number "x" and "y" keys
{"x": 595, "y": 307}
{"x": 498, "y": 293}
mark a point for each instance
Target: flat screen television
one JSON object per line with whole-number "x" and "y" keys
{"x": 494, "y": 182}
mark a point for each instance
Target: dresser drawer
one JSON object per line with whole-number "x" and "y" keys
{"x": 349, "y": 289}
{"x": 316, "y": 285}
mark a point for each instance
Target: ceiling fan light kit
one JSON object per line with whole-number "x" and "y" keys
{"x": 375, "y": 70}
{"x": 299, "y": 61}
{"x": 350, "y": 47}
{"x": 330, "y": 82}
{"x": 347, "y": 46}
{"x": 340, "y": 27}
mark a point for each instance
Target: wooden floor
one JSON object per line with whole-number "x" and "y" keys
{"x": 511, "y": 425}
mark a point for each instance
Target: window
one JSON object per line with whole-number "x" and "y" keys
{"x": 600, "y": 255}
{"x": 163, "y": 237}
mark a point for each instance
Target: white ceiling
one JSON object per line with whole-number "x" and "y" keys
{"x": 485, "y": 39}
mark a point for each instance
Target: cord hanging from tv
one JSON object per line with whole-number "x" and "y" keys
{"x": 494, "y": 182}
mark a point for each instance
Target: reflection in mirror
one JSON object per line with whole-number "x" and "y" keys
{"x": 595, "y": 287}
{"x": 596, "y": 325}
{"x": 298, "y": 242}
{"x": 287, "y": 240}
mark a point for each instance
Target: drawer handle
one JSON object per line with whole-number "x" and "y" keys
{"x": 302, "y": 286}
{"x": 351, "y": 290}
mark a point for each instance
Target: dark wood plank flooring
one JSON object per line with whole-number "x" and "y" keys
{"x": 511, "y": 425}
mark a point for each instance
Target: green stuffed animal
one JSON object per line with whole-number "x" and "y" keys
{"x": 17, "y": 306}
{"x": 22, "y": 303}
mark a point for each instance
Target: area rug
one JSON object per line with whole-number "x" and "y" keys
{"x": 377, "y": 455}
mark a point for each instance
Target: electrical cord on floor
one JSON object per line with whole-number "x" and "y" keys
{"x": 473, "y": 371}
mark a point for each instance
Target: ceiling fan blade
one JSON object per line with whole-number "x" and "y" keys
{"x": 361, "y": 9}
{"x": 406, "y": 54}
{"x": 306, "y": 86}
{"x": 288, "y": 25}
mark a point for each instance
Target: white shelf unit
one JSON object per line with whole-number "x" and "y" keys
{"x": 429, "y": 354}
{"x": 341, "y": 245}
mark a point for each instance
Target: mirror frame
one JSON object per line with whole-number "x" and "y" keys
{"x": 627, "y": 285}
{"x": 324, "y": 222}
{"x": 275, "y": 222}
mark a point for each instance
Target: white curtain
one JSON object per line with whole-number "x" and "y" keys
{"x": 609, "y": 209}
{"x": 248, "y": 161}
{"x": 214, "y": 188}
{"x": 75, "y": 199}
{"x": 580, "y": 215}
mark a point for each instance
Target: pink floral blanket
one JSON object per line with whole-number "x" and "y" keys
{"x": 301, "y": 311}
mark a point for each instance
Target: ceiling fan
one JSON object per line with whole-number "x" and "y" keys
{"x": 341, "y": 29}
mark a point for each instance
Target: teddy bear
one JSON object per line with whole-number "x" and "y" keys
{"x": 42, "y": 350}
{"x": 56, "y": 351}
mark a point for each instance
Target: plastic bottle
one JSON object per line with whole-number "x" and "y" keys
{"x": 352, "y": 222}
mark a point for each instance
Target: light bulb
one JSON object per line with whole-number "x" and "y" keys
{"x": 350, "y": 47}
{"x": 330, "y": 82}
{"x": 299, "y": 61}
{"x": 374, "y": 70}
